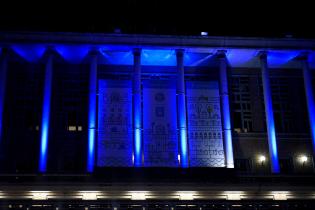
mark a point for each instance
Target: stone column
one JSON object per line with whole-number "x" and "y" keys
{"x": 137, "y": 114}
{"x": 181, "y": 109}
{"x": 92, "y": 111}
{"x": 44, "y": 132}
{"x": 224, "y": 95}
{"x": 271, "y": 131}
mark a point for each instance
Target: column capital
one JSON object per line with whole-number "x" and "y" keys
{"x": 221, "y": 54}
{"x": 262, "y": 55}
{"x": 94, "y": 51}
{"x": 5, "y": 50}
{"x": 93, "y": 54}
{"x": 4, "y": 54}
{"x": 180, "y": 52}
{"x": 50, "y": 52}
{"x": 50, "y": 49}
{"x": 136, "y": 51}
{"x": 303, "y": 56}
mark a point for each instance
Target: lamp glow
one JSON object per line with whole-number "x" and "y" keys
{"x": 186, "y": 196}
{"x": 262, "y": 158}
{"x": 303, "y": 159}
{"x": 138, "y": 196}
{"x": 89, "y": 196}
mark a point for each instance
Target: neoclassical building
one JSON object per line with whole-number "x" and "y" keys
{"x": 121, "y": 121}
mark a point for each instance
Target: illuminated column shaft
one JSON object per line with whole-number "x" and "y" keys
{"x": 226, "y": 112}
{"x": 181, "y": 109}
{"x": 137, "y": 114}
{"x": 92, "y": 112}
{"x": 309, "y": 99}
{"x": 271, "y": 131}
{"x": 46, "y": 114}
{"x": 3, "y": 78}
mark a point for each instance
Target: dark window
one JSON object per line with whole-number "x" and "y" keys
{"x": 243, "y": 165}
{"x": 68, "y": 133}
{"x": 286, "y": 166}
{"x": 241, "y": 104}
{"x": 282, "y": 107}
{"x": 22, "y": 117}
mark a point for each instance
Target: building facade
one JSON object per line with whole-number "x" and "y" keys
{"x": 114, "y": 121}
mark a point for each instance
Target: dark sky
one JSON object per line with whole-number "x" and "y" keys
{"x": 227, "y": 18}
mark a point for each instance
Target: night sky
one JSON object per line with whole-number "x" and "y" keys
{"x": 227, "y": 18}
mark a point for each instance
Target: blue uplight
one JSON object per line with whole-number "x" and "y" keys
{"x": 91, "y": 144}
{"x": 227, "y": 132}
{"x": 197, "y": 59}
{"x": 118, "y": 57}
{"x": 183, "y": 148}
{"x": 138, "y": 155}
{"x": 72, "y": 53}
{"x": 277, "y": 59}
{"x": 153, "y": 57}
{"x": 241, "y": 57}
{"x": 92, "y": 113}
{"x": 44, "y": 142}
{"x": 158, "y": 57}
{"x": 30, "y": 52}
{"x": 274, "y": 151}
{"x": 45, "y": 116}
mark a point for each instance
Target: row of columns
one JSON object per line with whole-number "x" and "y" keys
{"x": 181, "y": 108}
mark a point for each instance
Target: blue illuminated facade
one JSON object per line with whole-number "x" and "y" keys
{"x": 177, "y": 60}
{"x": 118, "y": 121}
